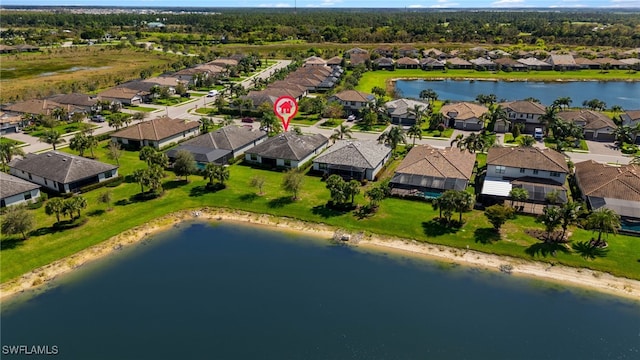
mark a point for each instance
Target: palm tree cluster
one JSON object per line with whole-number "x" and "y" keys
{"x": 472, "y": 143}
{"x": 219, "y": 173}
{"x": 342, "y": 191}
{"x": 71, "y": 207}
{"x": 453, "y": 201}
{"x": 7, "y": 151}
{"x": 394, "y": 137}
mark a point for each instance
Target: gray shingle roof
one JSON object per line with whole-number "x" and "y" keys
{"x": 362, "y": 154}
{"x": 401, "y": 107}
{"x": 227, "y": 138}
{"x": 11, "y": 185}
{"x": 289, "y": 146}
{"x": 60, "y": 167}
{"x": 200, "y": 154}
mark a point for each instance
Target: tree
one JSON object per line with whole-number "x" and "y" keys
{"x": 623, "y": 134}
{"x": 115, "y": 151}
{"x": 429, "y": 95}
{"x": 472, "y": 142}
{"x": 106, "y": 197}
{"x": 569, "y": 213}
{"x": 7, "y": 151}
{"x": 340, "y": 132}
{"x": 463, "y": 201}
{"x": 270, "y": 124}
{"x": 337, "y": 189}
{"x": 527, "y": 141}
{"x": 353, "y": 189}
{"x": 54, "y": 206}
{"x": 184, "y": 164}
{"x": 292, "y": 182}
{"x": 418, "y": 111}
{"x": 17, "y": 220}
{"x": 154, "y": 175}
{"x": 435, "y": 120}
{"x": 595, "y": 104}
{"x": 603, "y": 220}
{"x": 486, "y": 99}
{"x": 446, "y": 204}
{"x": 257, "y": 182}
{"x": 415, "y": 132}
{"x": 146, "y": 154}
{"x": 549, "y": 118}
{"x": 498, "y": 215}
{"x": 79, "y": 143}
{"x": 206, "y": 123}
{"x": 52, "y": 137}
{"x": 562, "y": 102}
{"x": 551, "y": 218}
{"x": 393, "y": 137}
{"x": 376, "y": 90}
{"x": 75, "y": 204}
{"x": 518, "y": 194}
{"x": 375, "y": 196}
{"x": 216, "y": 172}
{"x": 496, "y": 112}
{"x": 140, "y": 176}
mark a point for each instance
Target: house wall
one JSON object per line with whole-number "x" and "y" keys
{"x": 371, "y": 173}
{"x": 511, "y": 172}
{"x": 242, "y": 150}
{"x": 176, "y": 138}
{"x": 59, "y": 187}
{"x": 20, "y": 198}
{"x": 473, "y": 124}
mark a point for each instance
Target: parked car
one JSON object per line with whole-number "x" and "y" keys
{"x": 98, "y": 118}
{"x": 212, "y": 93}
{"x": 351, "y": 117}
{"x": 247, "y": 120}
{"x": 538, "y": 134}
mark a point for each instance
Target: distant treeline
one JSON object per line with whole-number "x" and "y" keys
{"x": 583, "y": 27}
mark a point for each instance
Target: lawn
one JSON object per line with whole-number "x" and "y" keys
{"x": 170, "y": 101}
{"x": 63, "y": 128}
{"x": 4, "y": 140}
{"x": 381, "y": 78}
{"x": 374, "y": 128}
{"x": 140, "y": 108}
{"x": 396, "y": 217}
{"x": 331, "y": 123}
{"x": 305, "y": 119}
{"x": 435, "y": 133}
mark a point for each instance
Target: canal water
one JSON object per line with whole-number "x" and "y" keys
{"x": 226, "y": 291}
{"x": 625, "y": 94}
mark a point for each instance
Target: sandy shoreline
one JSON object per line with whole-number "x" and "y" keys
{"x": 584, "y": 278}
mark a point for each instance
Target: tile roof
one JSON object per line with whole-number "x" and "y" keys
{"x": 289, "y": 146}
{"x": 401, "y": 107}
{"x": 524, "y": 107}
{"x": 533, "y": 62}
{"x": 407, "y": 61}
{"x": 120, "y": 93}
{"x": 606, "y": 181}
{"x": 530, "y": 158}
{"x": 35, "y": 106}
{"x": 357, "y": 58}
{"x": 156, "y": 129}
{"x": 425, "y": 160}
{"x": 592, "y": 120}
{"x": 362, "y": 154}
{"x": 354, "y": 95}
{"x": 585, "y": 61}
{"x": 11, "y": 185}
{"x": 314, "y": 60}
{"x": 75, "y": 99}
{"x": 463, "y": 110}
{"x": 458, "y": 61}
{"x": 336, "y": 60}
{"x": 228, "y": 138}
{"x": 60, "y": 167}
{"x": 561, "y": 60}
{"x": 482, "y": 62}
{"x": 505, "y": 61}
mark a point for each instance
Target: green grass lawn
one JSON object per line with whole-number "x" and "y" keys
{"x": 305, "y": 119}
{"x": 63, "y": 128}
{"x": 331, "y": 123}
{"x": 396, "y": 217}
{"x": 379, "y": 78}
{"x": 4, "y": 140}
{"x": 374, "y": 128}
{"x": 140, "y": 108}
{"x": 170, "y": 101}
{"x": 435, "y": 133}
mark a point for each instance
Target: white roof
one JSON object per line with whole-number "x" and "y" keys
{"x": 496, "y": 187}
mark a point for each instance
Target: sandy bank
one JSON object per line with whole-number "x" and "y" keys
{"x": 577, "y": 277}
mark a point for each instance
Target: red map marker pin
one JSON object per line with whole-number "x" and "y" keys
{"x": 285, "y": 109}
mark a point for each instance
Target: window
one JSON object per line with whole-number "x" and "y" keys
{"x": 554, "y": 174}
{"x": 254, "y": 157}
{"x": 30, "y": 178}
{"x": 535, "y": 172}
{"x": 522, "y": 170}
{"x": 322, "y": 166}
{"x": 529, "y": 116}
{"x": 27, "y": 196}
{"x": 108, "y": 174}
{"x": 45, "y": 182}
{"x": 287, "y": 163}
{"x": 500, "y": 169}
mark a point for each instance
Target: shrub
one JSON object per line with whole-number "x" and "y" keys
{"x": 110, "y": 183}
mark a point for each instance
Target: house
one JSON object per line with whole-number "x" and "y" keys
{"x": 509, "y": 64}
{"x": 483, "y": 64}
{"x": 224, "y": 63}
{"x": 37, "y": 107}
{"x": 10, "y": 123}
{"x": 124, "y": 96}
{"x": 534, "y": 64}
{"x": 427, "y": 172}
{"x": 15, "y": 191}
{"x": 169, "y": 82}
{"x": 314, "y": 61}
{"x": 384, "y": 63}
{"x": 434, "y": 53}
{"x": 523, "y": 112}
{"x": 609, "y": 63}
{"x": 86, "y": 103}
{"x": 221, "y": 145}
{"x": 352, "y": 100}
{"x": 384, "y": 51}
{"x": 335, "y": 61}
{"x": 157, "y": 133}
{"x": 539, "y": 171}
{"x": 60, "y": 171}
{"x": 496, "y": 54}
{"x": 401, "y": 111}
{"x": 612, "y": 187}
{"x": 407, "y": 63}
{"x": 630, "y": 118}
{"x": 356, "y": 50}
{"x": 464, "y": 115}
{"x": 431, "y": 64}
{"x": 353, "y": 159}
{"x": 358, "y": 59}
{"x": 585, "y": 63}
{"x": 632, "y": 63}
{"x": 408, "y": 51}
{"x": 288, "y": 150}
{"x": 596, "y": 125}
{"x": 562, "y": 62}
{"x": 458, "y": 63}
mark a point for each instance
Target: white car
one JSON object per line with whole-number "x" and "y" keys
{"x": 537, "y": 134}
{"x": 212, "y": 93}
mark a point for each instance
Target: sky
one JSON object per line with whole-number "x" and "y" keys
{"x": 344, "y": 3}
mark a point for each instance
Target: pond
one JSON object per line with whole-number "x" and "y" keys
{"x": 623, "y": 93}
{"x": 227, "y": 291}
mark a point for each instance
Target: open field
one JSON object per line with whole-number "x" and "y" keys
{"x": 396, "y": 217}
{"x": 88, "y": 69}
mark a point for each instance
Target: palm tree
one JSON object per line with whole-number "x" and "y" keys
{"x": 418, "y": 111}
{"x": 569, "y": 214}
{"x": 218, "y": 172}
{"x": 206, "y": 123}
{"x": 551, "y": 218}
{"x": 146, "y": 154}
{"x": 79, "y": 143}
{"x": 340, "y": 132}
{"x": 549, "y": 118}
{"x": 7, "y": 151}
{"x": 463, "y": 201}
{"x": 518, "y": 194}
{"x": 623, "y": 134}
{"x": 527, "y": 141}
{"x": 54, "y": 206}
{"x": 435, "y": 119}
{"x": 140, "y": 176}
{"x": 603, "y": 220}
{"x": 562, "y": 102}
{"x": 415, "y": 132}
{"x": 429, "y": 94}
{"x": 52, "y": 137}
{"x": 393, "y": 137}
{"x": 486, "y": 99}
{"x": 496, "y": 112}
{"x": 472, "y": 143}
